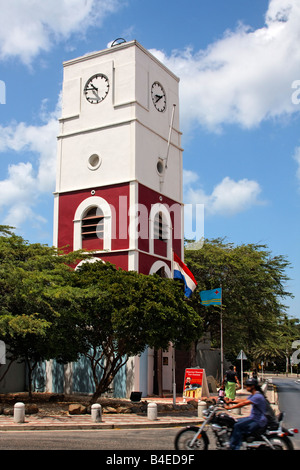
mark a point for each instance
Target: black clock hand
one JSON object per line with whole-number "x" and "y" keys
{"x": 96, "y": 94}
{"x": 92, "y": 88}
{"x": 158, "y": 97}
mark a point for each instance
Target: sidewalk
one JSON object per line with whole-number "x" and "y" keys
{"x": 112, "y": 421}
{"x": 84, "y": 422}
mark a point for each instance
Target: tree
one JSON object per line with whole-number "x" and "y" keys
{"x": 33, "y": 297}
{"x": 253, "y": 286}
{"x": 49, "y": 310}
{"x": 278, "y": 347}
{"x": 124, "y": 312}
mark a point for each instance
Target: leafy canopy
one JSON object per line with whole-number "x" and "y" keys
{"x": 124, "y": 312}
{"x": 253, "y": 285}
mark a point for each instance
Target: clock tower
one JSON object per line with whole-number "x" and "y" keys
{"x": 119, "y": 169}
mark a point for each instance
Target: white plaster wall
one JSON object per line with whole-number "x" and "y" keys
{"x": 125, "y": 129}
{"x": 115, "y": 147}
{"x": 150, "y": 147}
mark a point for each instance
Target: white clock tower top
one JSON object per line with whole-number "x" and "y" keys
{"x": 120, "y": 122}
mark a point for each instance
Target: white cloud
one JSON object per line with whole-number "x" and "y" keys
{"x": 28, "y": 27}
{"x": 228, "y": 197}
{"x": 26, "y": 181}
{"x": 189, "y": 177}
{"x": 245, "y": 77}
{"x": 18, "y": 194}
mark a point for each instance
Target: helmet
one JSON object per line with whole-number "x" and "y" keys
{"x": 250, "y": 382}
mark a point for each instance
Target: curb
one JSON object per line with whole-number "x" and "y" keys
{"x": 115, "y": 422}
{"x": 90, "y": 427}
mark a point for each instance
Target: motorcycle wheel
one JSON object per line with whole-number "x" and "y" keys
{"x": 184, "y": 438}
{"x": 281, "y": 443}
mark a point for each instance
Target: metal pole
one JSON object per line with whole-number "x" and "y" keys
{"x": 221, "y": 321}
{"x": 242, "y": 385}
{"x": 221, "y": 328}
{"x": 174, "y": 384}
{"x": 170, "y": 132}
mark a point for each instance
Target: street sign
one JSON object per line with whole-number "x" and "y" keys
{"x": 242, "y": 356}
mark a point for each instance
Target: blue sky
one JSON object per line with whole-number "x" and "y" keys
{"x": 238, "y": 62}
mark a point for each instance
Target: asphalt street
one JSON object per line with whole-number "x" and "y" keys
{"x": 289, "y": 403}
{"x": 117, "y": 439}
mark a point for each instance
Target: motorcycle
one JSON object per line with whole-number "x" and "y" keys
{"x": 273, "y": 437}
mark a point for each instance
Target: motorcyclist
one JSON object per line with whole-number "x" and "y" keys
{"x": 257, "y": 419}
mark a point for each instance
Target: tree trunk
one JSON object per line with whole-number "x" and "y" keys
{"x": 6, "y": 371}
{"x": 30, "y": 371}
{"x": 110, "y": 370}
{"x": 29, "y": 379}
{"x": 159, "y": 372}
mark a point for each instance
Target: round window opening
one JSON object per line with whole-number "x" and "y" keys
{"x": 94, "y": 162}
{"x": 160, "y": 166}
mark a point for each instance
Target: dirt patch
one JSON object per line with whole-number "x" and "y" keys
{"x": 51, "y": 404}
{"x": 46, "y": 403}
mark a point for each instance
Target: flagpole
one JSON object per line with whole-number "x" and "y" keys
{"x": 221, "y": 322}
{"x": 221, "y": 328}
{"x": 173, "y": 374}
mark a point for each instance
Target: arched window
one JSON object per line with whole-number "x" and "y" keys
{"x": 161, "y": 227}
{"x": 160, "y": 231}
{"x": 92, "y": 224}
{"x": 161, "y": 268}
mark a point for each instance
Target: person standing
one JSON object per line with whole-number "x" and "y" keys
{"x": 231, "y": 381}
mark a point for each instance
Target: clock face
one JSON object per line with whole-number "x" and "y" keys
{"x": 158, "y": 95}
{"x": 96, "y": 88}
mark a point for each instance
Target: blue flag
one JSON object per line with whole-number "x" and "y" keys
{"x": 211, "y": 297}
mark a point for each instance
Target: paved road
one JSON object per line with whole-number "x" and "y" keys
{"x": 117, "y": 439}
{"x": 289, "y": 403}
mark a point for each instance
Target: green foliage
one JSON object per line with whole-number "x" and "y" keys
{"x": 253, "y": 283}
{"x": 30, "y": 317}
{"x": 124, "y": 312}
{"x": 48, "y": 310}
{"x": 277, "y": 348}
